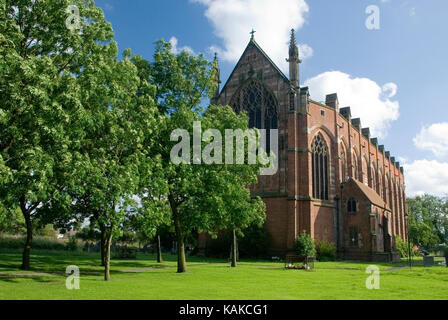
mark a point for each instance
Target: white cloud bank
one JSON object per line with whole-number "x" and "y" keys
{"x": 425, "y": 176}
{"x": 368, "y": 100}
{"x": 232, "y": 21}
{"x": 434, "y": 138}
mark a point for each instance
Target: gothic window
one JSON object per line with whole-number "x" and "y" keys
{"x": 352, "y": 206}
{"x": 320, "y": 168}
{"x": 355, "y": 167}
{"x": 343, "y": 166}
{"x": 354, "y": 236}
{"x": 364, "y": 169}
{"x": 261, "y": 106}
{"x": 373, "y": 179}
{"x": 380, "y": 182}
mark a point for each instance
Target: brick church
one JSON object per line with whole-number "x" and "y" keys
{"x": 334, "y": 180}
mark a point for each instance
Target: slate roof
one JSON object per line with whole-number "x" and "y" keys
{"x": 371, "y": 194}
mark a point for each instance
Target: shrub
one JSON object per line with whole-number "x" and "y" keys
{"x": 125, "y": 253}
{"x": 39, "y": 243}
{"x": 305, "y": 245}
{"x": 72, "y": 244}
{"x": 401, "y": 246}
{"x": 254, "y": 244}
{"x": 325, "y": 251}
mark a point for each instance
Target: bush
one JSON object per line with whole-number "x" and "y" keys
{"x": 39, "y": 243}
{"x": 255, "y": 244}
{"x": 401, "y": 246}
{"x": 325, "y": 251}
{"x": 305, "y": 245}
{"x": 72, "y": 244}
{"x": 125, "y": 253}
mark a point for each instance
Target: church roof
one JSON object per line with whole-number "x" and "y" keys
{"x": 253, "y": 43}
{"x": 371, "y": 194}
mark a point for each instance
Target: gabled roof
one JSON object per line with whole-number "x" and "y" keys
{"x": 253, "y": 43}
{"x": 371, "y": 194}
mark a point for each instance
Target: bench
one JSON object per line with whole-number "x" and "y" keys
{"x": 292, "y": 259}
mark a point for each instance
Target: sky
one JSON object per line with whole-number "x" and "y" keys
{"x": 387, "y": 63}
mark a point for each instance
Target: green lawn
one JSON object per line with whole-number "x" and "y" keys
{"x": 211, "y": 280}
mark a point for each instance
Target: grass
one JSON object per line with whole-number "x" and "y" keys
{"x": 211, "y": 279}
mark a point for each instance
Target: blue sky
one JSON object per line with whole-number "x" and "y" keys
{"x": 408, "y": 54}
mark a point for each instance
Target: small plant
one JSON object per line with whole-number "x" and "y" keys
{"x": 304, "y": 245}
{"x": 402, "y": 246}
{"x": 72, "y": 244}
{"x": 325, "y": 251}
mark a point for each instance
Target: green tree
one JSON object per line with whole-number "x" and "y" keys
{"x": 237, "y": 205}
{"x": 195, "y": 193}
{"x": 428, "y": 220}
{"x": 41, "y": 111}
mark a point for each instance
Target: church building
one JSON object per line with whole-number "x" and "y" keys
{"x": 334, "y": 180}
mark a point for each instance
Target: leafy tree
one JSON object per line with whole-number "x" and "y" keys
{"x": 428, "y": 220}
{"x": 41, "y": 112}
{"x": 237, "y": 206}
{"x": 196, "y": 194}
{"x": 12, "y": 222}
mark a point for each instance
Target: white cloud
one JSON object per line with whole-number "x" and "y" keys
{"x": 368, "y": 101}
{"x": 176, "y": 50}
{"x": 305, "y": 51}
{"x": 424, "y": 176}
{"x": 434, "y": 138}
{"x": 232, "y": 21}
{"x": 412, "y": 12}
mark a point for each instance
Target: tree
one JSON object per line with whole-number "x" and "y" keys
{"x": 239, "y": 208}
{"x": 113, "y": 157}
{"x": 305, "y": 245}
{"x": 428, "y": 220}
{"x": 41, "y": 111}
{"x": 196, "y": 193}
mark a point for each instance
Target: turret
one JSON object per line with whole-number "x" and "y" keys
{"x": 294, "y": 61}
{"x": 215, "y": 98}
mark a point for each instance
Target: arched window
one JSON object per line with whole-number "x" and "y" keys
{"x": 373, "y": 177}
{"x": 365, "y": 169}
{"x": 320, "y": 168}
{"x": 343, "y": 158}
{"x": 355, "y": 167}
{"x": 352, "y": 206}
{"x": 380, "y": 182}
{"x": 261, "y": 106}
{"x": 386, "y": 189}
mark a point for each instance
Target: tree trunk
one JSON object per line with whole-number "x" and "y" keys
{"x": 107, "y": 256}
{"x": 181, "y": 261}
{"x": 159, "y": 250}
{"x": 234, "y": 249}
{"x": 103, "y": 245}
{"x": 29, "y": 239}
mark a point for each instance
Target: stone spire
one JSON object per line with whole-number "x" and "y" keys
{"x": 216, "y": 71}
{"x": 294, "y": 61}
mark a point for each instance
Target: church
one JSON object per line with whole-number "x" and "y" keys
{"x": 334, "y": 180}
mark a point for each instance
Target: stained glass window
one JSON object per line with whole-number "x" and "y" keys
{"x": 261, "y": 106}
{"x": 320, "y": 168}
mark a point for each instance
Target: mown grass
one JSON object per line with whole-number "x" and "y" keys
{"x": 211, "y": 279}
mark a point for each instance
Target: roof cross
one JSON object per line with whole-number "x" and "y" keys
{"x": 252, "y": 33}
